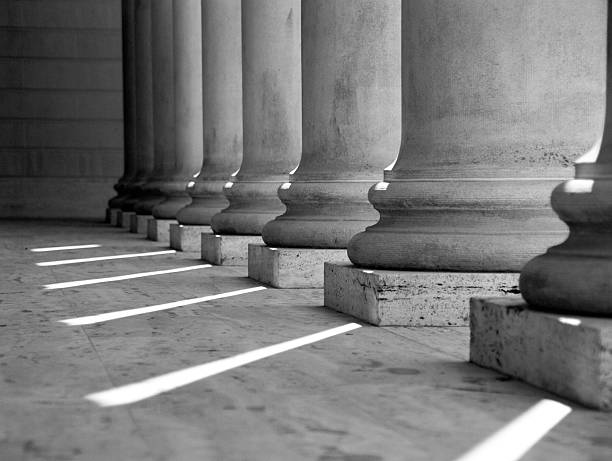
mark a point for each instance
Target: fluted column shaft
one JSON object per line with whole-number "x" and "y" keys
{"x": 125, "y": 185}
{"x": 222, "y": 111}
{"x": 576, "y": 276}
{"x": 493, "y": 115}
{"x": 271, "y": 84}
{"x": 144, "y": 103}
{"x": 351, "y": 121}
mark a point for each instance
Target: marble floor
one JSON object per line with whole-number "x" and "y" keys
{"x": 365, "y": 395}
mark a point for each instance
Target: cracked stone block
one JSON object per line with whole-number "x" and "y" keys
{"x": 410, "y": 298}
{"x": 291, "y": 267}
{"x": 568, "y": 355}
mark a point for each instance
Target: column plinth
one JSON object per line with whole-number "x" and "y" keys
{"x": 351, "y": 121}
{"x": 492, "y": 118}
{"x": 271, "y": 115}
{"x": 222, "y": 111}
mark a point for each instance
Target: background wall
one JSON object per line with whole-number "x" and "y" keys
{"x": 61, "y": 133}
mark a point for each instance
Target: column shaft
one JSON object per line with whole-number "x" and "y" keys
{"x": 493, "y": 116}
{"x": 144, "y": 103}
{"x": 124, "y": 186}
{"x": 271, "y": 115}
{"x": 222, "y": 111}
{"x": 351, "y": 121}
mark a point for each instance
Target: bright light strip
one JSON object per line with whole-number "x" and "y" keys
{"x": 512, "y": 441}
{"x": 104, "y": 258}
{"x": 70, "y": 247}
{"x": 154, "y": 386}
{"x": 78, "y": 283}
{"x": 160, "y": 307}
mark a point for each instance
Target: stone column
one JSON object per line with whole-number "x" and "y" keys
{"x": 566, "y": 349}
{"x": 186, "y": 157}
{"x": 222, "y": 119}
{"x": 351, "y": 128}
{"x": 351, "y": 121}
{"x": 125, "y": 185}
{"x": 144, "y": 109}
{"x": 144, "y": 101}
{"x": 271, "y": 83}
{"x": 498, "y": 99}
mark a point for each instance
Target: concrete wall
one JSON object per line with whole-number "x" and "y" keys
{"x": 61, "y": 133}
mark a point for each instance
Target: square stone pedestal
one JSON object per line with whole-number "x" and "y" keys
{"x": 158, "y": 230}
{"x": 227, "y": 250}
{"x": 113, "y": 216}
{"x": 125, "y": 218}
{"x": 410, "y": 298}
{"x": 187, "y": 238}
{"x": 568, "y": 355}
{"x": 291, "y": 267}
{"x": 138, "y": 223}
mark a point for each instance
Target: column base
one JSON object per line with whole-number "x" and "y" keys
{"x": 113, "y": 215}
{"x": 187, "y": 238}
{"x": 410, "y": 298}
{"x": 291, "y": 267}
{"x": 568, "y": 355}
{"x": 124, "y": 219}
{"x": 158, "y": 230}
{"x": 138, "y": 223}
{"x": 228, "y": 250}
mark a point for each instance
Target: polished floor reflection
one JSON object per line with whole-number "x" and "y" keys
{"x": 364, "y": 395}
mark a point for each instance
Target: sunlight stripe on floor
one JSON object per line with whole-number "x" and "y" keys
{"x": 70, "y": 247}
{"x": 515, "y": 439}
{"x": 78, "y": 283}
{"x": 91, "y": 319}
{"x": 154, "y": 386}
{"x": 105, "y": 258}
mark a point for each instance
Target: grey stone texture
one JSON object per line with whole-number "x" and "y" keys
{"x": 568, "y": 355}
{"x": 222, "y": 111}
{"x": 113, "y": 216}
{"x": 493, "y": 117}
{"x": 410, "y": 298}
{"x": 138, "y": 223}
{"x": 125, "y": 218}
{"x": 187, "y": 238}
{"x": 158, "y": 230}
{"x": 272, "y": 115}
{"x": 227, "y": 250}
{"x": 291, "y": 267}
{"x": 351, "y": 117}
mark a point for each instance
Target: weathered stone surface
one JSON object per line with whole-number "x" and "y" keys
{"x": 158, "y": 230}
{"x": 272, "y": 115}
{"x": 124, "y": 218}
{"x": 221, "y": 128}
{"x": 568, "y": 355}
{"x": 480, "y": 151}
{"x": 113, "y": 216}
{"x": 138, "y": 223}
{"x": 187, "y": 238}
{"x": 351, "y": 59}
{"x": 291, "y": 267}
{"x": 227, "y": 250}
{"x": 410, "y": 298}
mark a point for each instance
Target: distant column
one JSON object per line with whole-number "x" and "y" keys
{"x": 271, "y": 115}
{"x": 144, "y": 104}
{"x": 125, "y": 185}
{"x": 222, "y": 115}
{"x": 351, "y": 121}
